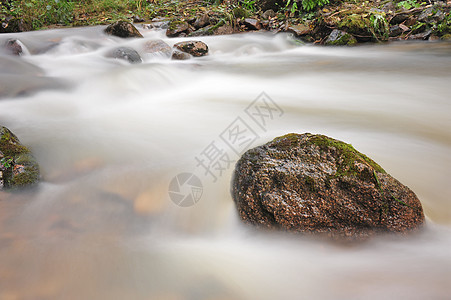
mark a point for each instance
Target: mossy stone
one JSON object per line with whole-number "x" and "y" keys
{"x": 311, "y": 183}
{"x": 19, "y": 167}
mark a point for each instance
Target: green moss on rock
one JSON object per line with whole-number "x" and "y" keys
{"x": 368, "y": 25}
{"x": 347, "y": 155}
{"x": 310, "y": 183}
{"x": 22, "y": 169}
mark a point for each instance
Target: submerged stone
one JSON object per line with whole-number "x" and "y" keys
{"x": 157, "y": 47}
{"x": 125, "y": 53}
{"x": 18, "y": 167}
{"x": 310, "y": 183}
{"x": 179, "y": 55}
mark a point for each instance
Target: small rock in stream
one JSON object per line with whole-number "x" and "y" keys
{"x": 157, "y": 47}
{"x": 127, "y": 54}
{"x": 18, "y": 167}
{"x": 314, "y": 184}
{"x": 179, "y": 55}
{"x": 14, "y": 47}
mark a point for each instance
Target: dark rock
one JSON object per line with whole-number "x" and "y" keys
{"x": 399, "y": 18}
{"x": 11, "y": 25}
{"x": 395, "y": 31}
{"x": 224, "y": 29}
{"x": 299, "y": 30}
{"x": 252, "y": 24}
{"x": 340, "y": 38}
{"x": 240, "y": 13}
{"x": 157, "y": 25}
{"x": 123, "y": 29}
{"x": 388, "y": 7}
{"x": 138, "y": 19}
{"x": 157, "y": 47}
{"x": 417, "y": 29}
{"x": 207, "y": 30}
{"x": 268, "y": 14}
{"x": 219, "y": 28}
{"x": 179, "y": 55}
{"x": 14, "y": 47}
{"x": 412, "y": 20}
{"x": 425, "y": 14}
{"x": 18, "y": 167}
{"x": 315, "y": 184}
{"x": 201, "y": 21}
{"x": 265, "y": 5}
{"x": 195, "y": 48}
{"x": 431, "y": 14}
{"x": 127, "y": 54}
{"x": 421, "y": 36}
{"x": 176, "y": 28}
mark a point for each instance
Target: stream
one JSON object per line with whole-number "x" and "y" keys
{"x": 114, "y": 140}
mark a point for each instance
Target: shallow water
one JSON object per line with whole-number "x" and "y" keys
{"x": 111, "y": 136}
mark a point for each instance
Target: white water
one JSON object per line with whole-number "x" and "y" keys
{"x": 110, "y": 136}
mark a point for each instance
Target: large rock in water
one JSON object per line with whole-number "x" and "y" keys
{"x": 315, "y": 184}
{"x": 18, "y": 168}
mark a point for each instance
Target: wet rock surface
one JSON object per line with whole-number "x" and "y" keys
{"x": 13, "y": 47}
{"x": 195, "y": 48}
{"x": 315, "y": 184}
{"x": 123, "y": 29}
{"x": 18, "y": 168}
{"x": 179, "y": 55}
{"x": 157, "y": 48}
{"x": 178, "y": 28}
{"x": 126, "y": 53}
{"x": 340, "y": 38}
{"x": 252, "y": 24}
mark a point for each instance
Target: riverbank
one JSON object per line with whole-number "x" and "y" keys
{"x": 311, "y": 21}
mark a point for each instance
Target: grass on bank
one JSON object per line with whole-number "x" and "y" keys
{"x": 46, "y": 13}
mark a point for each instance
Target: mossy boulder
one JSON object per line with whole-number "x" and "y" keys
{"x": 340, "y": 38}
{"x": 123, "y": 29}
{"x": 178, "y": 28}
{"x": 366, "y": 26}
{"x": 18, "y": 167}
{"x": 314, "y": 184}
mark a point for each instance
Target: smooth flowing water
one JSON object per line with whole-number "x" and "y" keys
{"x": 110, "y": 136}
